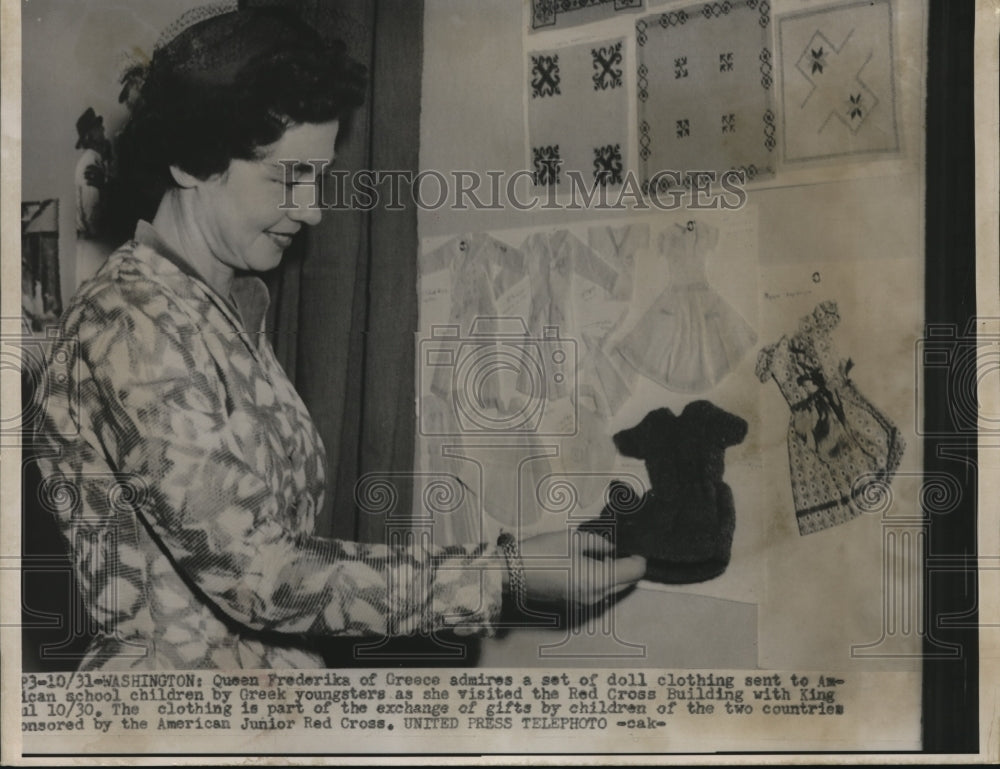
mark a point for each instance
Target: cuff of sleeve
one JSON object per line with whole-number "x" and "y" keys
{"x": 476, "y": 594}
{"x": 516, "y": 588}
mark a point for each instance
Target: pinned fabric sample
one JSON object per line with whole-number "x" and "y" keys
{"x": 839, "y": 444}
{"x": 690, "y": 338}
{"x": 838, "y": 89}
{"x": 586, "y": 458}
{"x": 553, "y": 259}
{"x": 440, "y": 434}
{"x": 576, "y": 114}
{"x": 605, "y": 381}
{"x": 556, "y": 14}
{"x": 618, "y": 247}
{"x": 684, "y": 525}
{"x": 482, "y": 271}
{"x": 604, "y": 385}
{"x": 471, "y": 478}
{"x": 705, "y": 88}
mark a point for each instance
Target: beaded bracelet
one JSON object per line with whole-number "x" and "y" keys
{"x": 515, "y": 567}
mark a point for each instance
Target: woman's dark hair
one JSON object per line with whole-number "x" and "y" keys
{"x": 225, "y": 87}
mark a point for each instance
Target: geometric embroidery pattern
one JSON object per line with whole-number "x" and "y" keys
{"x": 702, "y": 71}
{"x": 644, "y": 151}
{"x": 608, "y": 164}
{"x": 769, "y": 130}
{"x": 556, "y": 14}
{"x": 838, "y": 93}
{"x": 577, "y": 133}
{"x": 820, "y": 63}
{"x": 642, "y": 83}
{"x": 607, "y": 66}
{"x": 544, "y": 76}
{"x": 546, "y": 161}
{"x": 766, "y": 68}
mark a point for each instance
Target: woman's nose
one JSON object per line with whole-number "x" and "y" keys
{"x": 310, "y": 214}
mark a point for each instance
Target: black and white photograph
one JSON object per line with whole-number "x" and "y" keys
{"x": 500, "y": 380}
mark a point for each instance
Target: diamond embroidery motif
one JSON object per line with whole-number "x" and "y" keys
{"x": 855, "y": 108}
{"x": 818, "y": 60}
{"x": 644, "y": 140}
{"x": 828, "y": 67}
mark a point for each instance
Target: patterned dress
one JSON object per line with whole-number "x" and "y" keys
{"x": 838, "y": 443}
{"x": 185, "y": 474}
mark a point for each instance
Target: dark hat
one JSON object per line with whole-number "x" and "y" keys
{"x": 87, "y": 121}
{"x": 215, "y": 48}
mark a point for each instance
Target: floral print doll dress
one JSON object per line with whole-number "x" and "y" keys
{"x": 839, "y": 444}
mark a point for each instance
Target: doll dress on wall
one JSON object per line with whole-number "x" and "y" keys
{"x": 552, "y": 261}
{"x": 618, "y": 247}
{"x": 838, "y": 442}
{"x": 482, "y": 269}
{"x": 690, "y": 337}
{"x": 605, "y": 381}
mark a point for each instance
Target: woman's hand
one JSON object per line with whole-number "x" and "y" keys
{"x": 589, "y": 575}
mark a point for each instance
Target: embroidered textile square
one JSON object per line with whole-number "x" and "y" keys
{"x": 838, "y": 92}
{"x": 576, "y": 114}
{"x": 705, "y": 85}
{"x": 556, "y": 14}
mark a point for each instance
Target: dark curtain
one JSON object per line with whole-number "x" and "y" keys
{"x": 951, "y": 714}
{"x": 344, "y": 302}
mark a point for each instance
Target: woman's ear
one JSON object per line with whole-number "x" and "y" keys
{"x": 183, "y": 178}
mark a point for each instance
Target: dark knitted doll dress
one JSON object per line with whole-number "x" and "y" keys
{"x": 684, "y": 525}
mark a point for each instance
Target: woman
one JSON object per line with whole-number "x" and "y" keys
{"x": 186, "y": 472}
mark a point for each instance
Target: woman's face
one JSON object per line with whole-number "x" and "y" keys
{"x": 240, "y": 212}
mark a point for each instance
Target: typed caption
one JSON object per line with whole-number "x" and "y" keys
{"x": 353, "y": 701}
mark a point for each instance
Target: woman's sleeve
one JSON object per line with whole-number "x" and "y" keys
{"x": 164, "y": 421}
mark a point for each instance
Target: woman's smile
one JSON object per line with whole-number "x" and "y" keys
{"x": 281, "y": 239}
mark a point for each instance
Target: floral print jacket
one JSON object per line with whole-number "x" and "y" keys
{"x": 186, "y": 473}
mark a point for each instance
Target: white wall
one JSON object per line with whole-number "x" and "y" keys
{"x": 71, "y": 58}
{"x": 860, "y": 225}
